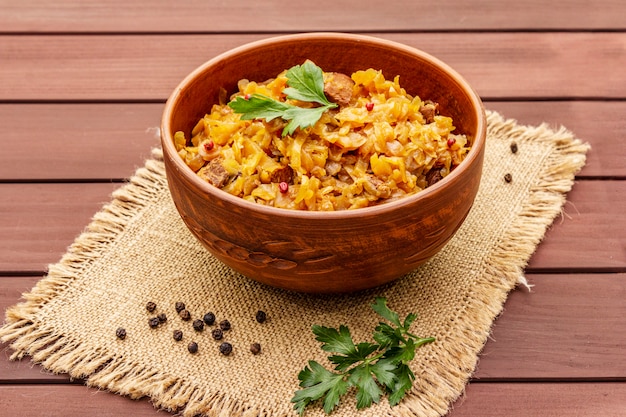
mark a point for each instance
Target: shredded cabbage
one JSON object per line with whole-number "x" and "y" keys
{"x": 383, "y": 145}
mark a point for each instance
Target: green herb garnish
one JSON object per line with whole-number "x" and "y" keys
{"x": 372, "y": 368}
{"x": 306, "y": 83}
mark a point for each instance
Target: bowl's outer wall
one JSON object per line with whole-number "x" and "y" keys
{"x": 317, "y": 252}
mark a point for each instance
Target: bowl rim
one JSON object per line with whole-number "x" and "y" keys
{"x": 474, "y": 153}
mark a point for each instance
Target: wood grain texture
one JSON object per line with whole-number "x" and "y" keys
{"x": 39, "y": 221}
{"x": 568, "y": 325}
{"x": 111, "y": 140}
{"x": 600, "y": 123}
{"x": 51, "y": 142}
{"x": 542, "y": 400}
{"x": 70, "y": 400}
{"x": 141, "y": 67}
{"x": 282, "y": 15}
{"x": 81, "y": 81}
{"x": 484, "y": 399}
{"x": 591, "y": 231}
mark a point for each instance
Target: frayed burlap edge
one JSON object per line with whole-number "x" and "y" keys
{"x": 99, "y": 368}
{"x": 546, "y": 197}
{"x": 503, "y": 271}
{"x": 503, "y": 268}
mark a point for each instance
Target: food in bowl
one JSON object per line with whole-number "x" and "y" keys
{"x": 324, "y": 251}
{"x": 322, "y": 141}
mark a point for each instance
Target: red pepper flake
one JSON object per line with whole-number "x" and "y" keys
{"x": 208, "y": 146}
{"x": 369, "y": 106}
{"x": 451, "y": 142}
{"x": 283, "y": 187}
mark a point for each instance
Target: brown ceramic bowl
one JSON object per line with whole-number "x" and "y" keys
{"x": 324, "y": 252}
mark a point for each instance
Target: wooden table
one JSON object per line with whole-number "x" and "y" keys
{"x": 82, "y": 87}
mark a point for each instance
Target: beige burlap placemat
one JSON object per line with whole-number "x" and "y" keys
{"x": 137, "y": 249}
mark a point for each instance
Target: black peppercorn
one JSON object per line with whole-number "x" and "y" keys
{"x": 217, "y": 334}
{"x": 121, "y": 333}
{"x": 209, "y": 318}
{"x": 255, "y": 348}
{"x": 198, "y": 325}
{"x": 514, "y": 147}
{"x": 185, "y": 315}
{"x": 192, "y": 347}
{"x": 178, "y": 335}
{"x": 508, "y": 178}
{"x": 261, "y": 316}
{"x": 179, "y": 306}
{"x": 154, "y": 322}
{"x": 150, "y": 306}
{"x": 225, "y": 325}
{"x": 226, "y": 348}
{"x": 162, "y": 317}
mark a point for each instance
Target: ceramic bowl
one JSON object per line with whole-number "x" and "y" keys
{"x": 324, "y": 252}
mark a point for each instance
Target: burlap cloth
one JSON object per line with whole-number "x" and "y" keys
{"x": 137, "y": 249}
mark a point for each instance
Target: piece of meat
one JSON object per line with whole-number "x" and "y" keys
{"x": 338, "y": 87}
{"x": 284, "y": 174}
{"x": 433, "y": 176}
{"x": 429, "y": 110}
{"x": 214, "y": 173}
{"x": 376, "y": 186}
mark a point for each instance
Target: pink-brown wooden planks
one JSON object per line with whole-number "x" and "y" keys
{"x": 39, "y": 221}
{"x": 142, "y": 67}
{"x": 590, "y": 231}
{"x": 600, "y": 123}
{"x": 565, "y": 327}
{"x": 542, "y": 400}
{"x": 283, "y": 15}
{"x": 110, "y": 140}
{"x": 70, "y": 401}
{"x": 484, "y": 399}
{"x": 48, "y": 142}
{"x": 83, "y": 82}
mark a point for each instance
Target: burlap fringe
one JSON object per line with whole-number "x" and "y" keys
{"x": 99, "y": 368}
{"x": 504, "y": 270}
{"x": 546, "y": 197}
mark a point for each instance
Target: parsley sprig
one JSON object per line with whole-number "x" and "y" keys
{"x": 372, "y": 368}
{"x": 306, "y": 83}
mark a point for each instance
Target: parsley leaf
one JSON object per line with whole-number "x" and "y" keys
{"x": 402, "y": 384}
{"x": 368, "y": 391}
{"x": 371, "y": 369}
{"x": 258, "y": 106}
{"x": 380, "y": 306}
{"x": 385, "y": 372}
{"x": 306, "y": 83}
{"x": 333, "y": 340}
{"x": 317, "y": 383}
{"x": 300, "y": 117}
